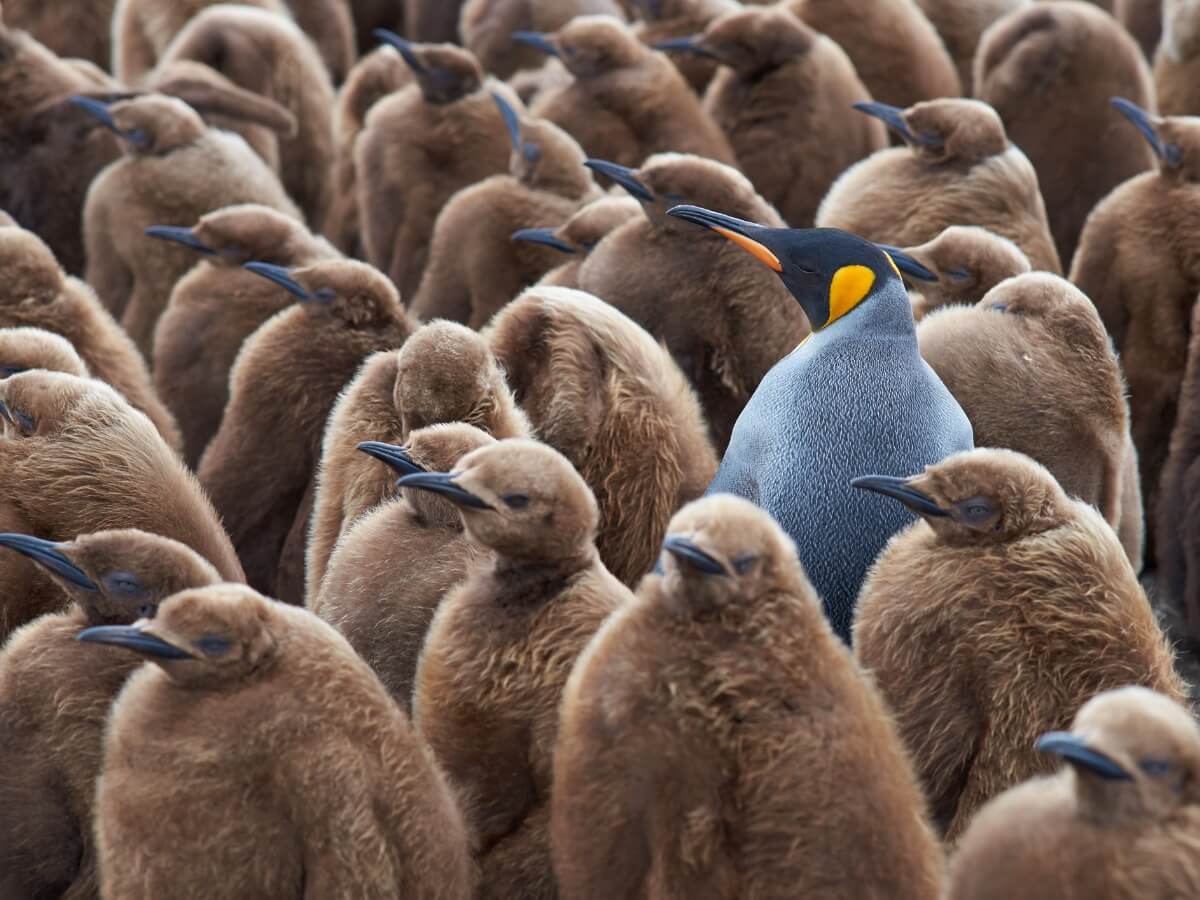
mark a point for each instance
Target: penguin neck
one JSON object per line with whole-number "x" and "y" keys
{"x": 885, "y": 315}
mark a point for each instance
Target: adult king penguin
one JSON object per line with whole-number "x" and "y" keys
{"x": 854, "y": 394}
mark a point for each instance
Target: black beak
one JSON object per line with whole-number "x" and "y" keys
{"x": 281, "y": 275}
{"x": 1075, "y": 751}
{"x": 899, "y": 489}
{"x": 390, "y": 454}
{"x": 690, "y": 44}
{"x": 543, "y": 236}
{"x": 745, "y": 234}
{"x": 98, "y": 110}
{"x": 442, "y": 483}
{"x": 46, "y": 553}
{"x": 623, "y": 176}
{"x": 132, "y": 638}
{"x": 692, "y": 556}
{"x": 536, "y": 40}
{"x": 7, "y": 371}
{"x": 179, "y": 236}
{"x": 1141, "y": 119}
{"x": 907, "y": 264}
{"x": 893, "y": 117}
{"x": 404, "y": 47}
{"x": 511, "y": 120}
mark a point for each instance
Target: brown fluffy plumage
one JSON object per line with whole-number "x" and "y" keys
{"x": 34, "y": 348}
{"x": 71, "y": 30}
{"x": 960, "y": 26}
{"x": 54, "y": 702}
{"x": 1177, "y": 60}
{"x": 501, "y": 648}
{"x": 706, "y": 713}
{"x": 990, "y": 625}
{"x": 968, "y": 261}
{"x": 432, "y": 21}
{"x": 663, "y": 20}
{"x": 486, "y": 28}
{"x": 969, "y": 175}
{"x": 273, "y": 735}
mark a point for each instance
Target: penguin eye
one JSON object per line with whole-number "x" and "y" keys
{"x": 998, "y": 307}
{"x": 124, "y": 584}
{"x": 325, "y": 295}
{"x": 531, "y": 152}
{"x": 588, "y": 245}
{"x": 516, "y": 501}
{"x": 213, "y": 645}
{"x": 743, "y": 563}
{"x": 7, "y": 371}
{"x": 1155, "y": 768}
{"x": 958, "y": 274}
{"x": 976, "y": 511}
{"x": 138, "y": 136}
{"x": 1173, "y": 154}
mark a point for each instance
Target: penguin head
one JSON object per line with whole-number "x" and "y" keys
{"x": 1175, "y": 140}
{"x": 445, "y": 373}
{"x": 543, "y": 155}
{"x": 148, "y": 125}
{"x": 589, "y": 46}
{"x": 32, "y": 277}
{"x": 1051, "y": 303}
{"x": 236, "y": 235}
{"x": 830, "y": 272}
{"x": 520, "y": 498}
{"x": 22, "y": 349}
{"x": 752, "y": 41}
{"x": 351, "y": 292}
{"x": 39, "y": 404}
{"x": 1134, "y": 755}
{"x": 945, "y": 130}
{"x": 586, "y": 228}
{"x": 445, "y": 73}
{"x": 979, "y": 497}
{"x": 966, "y": 261}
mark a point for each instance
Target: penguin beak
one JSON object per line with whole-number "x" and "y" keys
{"x": 536, "y": 40}
{"x": 625, "y": 177}
{"x": 544, "y": 236}
{"x": 511, "y": 121}
{"x": 688, "y": 553}
{"x": 392, "y": 455}
{"x": 1144, "y": 123}
{"x": 281, "y": 275}
{"x": 746, "y": 235}
{"x": 98, "y": 110}
{"x": 442, "y": 483}
{"x": 47, "y": 554}
{"x": 6, "y": 371}
{"x": 404, "y": 47}
{"x": 131, "y": 637}
{"x": 900, "y": 489}
{"x": 182, "y": 236}
{"x": 893, "y": 117}
{"x": 693, "y": 44}
{"x": 1074, "y": 750}
{"x": 907, "y": 264}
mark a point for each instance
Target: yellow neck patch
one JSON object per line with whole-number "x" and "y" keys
{"x": 849, "y": 287}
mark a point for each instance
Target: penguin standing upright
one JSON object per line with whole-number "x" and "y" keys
{"x": 853, "y": 395}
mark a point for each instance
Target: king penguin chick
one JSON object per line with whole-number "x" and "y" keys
{"x": 606, "y": 395}
{"x": 474, "y": 266}
{"x": 536, "y": 605}
{"x": 27, "y": 348}
{"x": 723, "y": 695}
{"x": 966, "y": 262}
{"x": 420, "y": 146}
{"x": 668, "y": 21}
{"x": 444, "y": 373}
{"x": 625, "y": 101}
{"x": 175, "y": 170}
{"x": 394, "y": 565}
{"x": 1016, "y": 361}
{"x": 770, "y": 58}
{"x": 855, "y": 397}
{"x": 727, "y": 320}
{"x": 1177, "y": 59}
{"x": 54, "y": 699}
{"x": 957, "y": 168}
{"x": 487, "y": 27}
{"x": 71, "y": 30}
{"x": 260, "y": 464}
{"x": 1048, "y": 69}
{"x": 1117, "y": 822}
{"x": 960, "y": 26}
{"x": 1006, "y": 589}
{"x": 75, "y": 457}
{"x": 218, "y": 305}
{"x": 36, "y": 293}
{"x": 261, "y": 721}
{"x": 1136, "y": 263}
{"x": 579, "y": 235}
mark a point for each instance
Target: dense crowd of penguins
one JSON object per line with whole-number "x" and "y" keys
{"x": 599, "y": 449}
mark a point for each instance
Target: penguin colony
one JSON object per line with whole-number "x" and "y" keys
{"x": 599, "y": 449}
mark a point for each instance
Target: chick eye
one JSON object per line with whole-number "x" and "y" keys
{"x": 998, "y": 307}
{"x": 1174, "y": 155}
{"x": 958, "y": 274}
{"x": 7, "y": 371}
{"x": 138, "y": 136}
{"x": 516, "y": 501}
{"x": 124, "y": 584}
{"x": 588, "y": 245}
{"x": 976, "y": 510}
{"x": 743, "y": 563}
{"x": 213, "y": 645}
{"x": 325, "y": 295}
{"x": 1155, "y": 768}
{"x": 532, "y": 153}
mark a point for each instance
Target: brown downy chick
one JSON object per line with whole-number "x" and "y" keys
{"x": 1118, "y": 821}
{"x": 71, "y": 30}
{"x": 420, "y": 146}
{"x": 625, "y": 101}
{"x": 1139, "y": 265}
{"x": 693, "y": 693}
{"x": 266, "y": 53}
{"x": 579, "y": 235}
{"x": 669, "y": 20}
{"x": 895, "y": 49}
{"x": 486, "y": 28}
{"x": 966, "y": 262}
{"x": 960, "y": 26}
{"x": 394, "y": 565}
{"x": 262, "y": 723}
{"x": 991, "y": 620}
{"x": 27, "y": 348}
{"x": 606, "y": 395}
{"x": 260, "y": 463}
{"x": 475, "y": 267}
{"x": 957, "y": 167}
{"x": 432, "y": 21}
{"x": 218, "y": 305}
{"x": 444, "y": 373}
{"x": 1015, "y": 363}
{"x": 770, "y": 59}
{"x": 55, "y": 698}
{"x": 729, "y": 319}
{"x": 1177, "y": 59}
{"x": 532, "y": 611}
{"x": 1144, "y": 20}
{"x": 36, "y": 293}
{"x": 1049, "y": 70}
{"x": 175, "y": 170}
{"x": 378, "y": 74}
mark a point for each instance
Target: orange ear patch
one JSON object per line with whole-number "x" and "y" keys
{"x": 849, "y": 287}
{"x": 754, "y": 248}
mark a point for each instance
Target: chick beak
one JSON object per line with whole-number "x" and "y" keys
{"x": 691, "y": 555}
{"x": 625, "y": 177}
{"x": 907, "y": 264}
{"x": 1074, "y": 750}
{"x": 544, "y": 236}
{"x": 405, "y": 48}
{"x": 182, "y": 236}
{"x": 536, "y": 40}
{"x": 281, "y": 275}
{"x": 693, "y": 44}
{"x": 1144, "y": 123}
{"x": 900, "y": 489}
{"x": 392, "y": 455}
{"x": 443, "y": 483}
{"x": 131, "y": 637}
{"x": 47, "y": 554}
{"x": 746, "y": 235}
{"x": 893, "y": 117}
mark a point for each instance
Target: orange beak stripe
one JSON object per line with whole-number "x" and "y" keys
{"x": 754, "y": 248}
